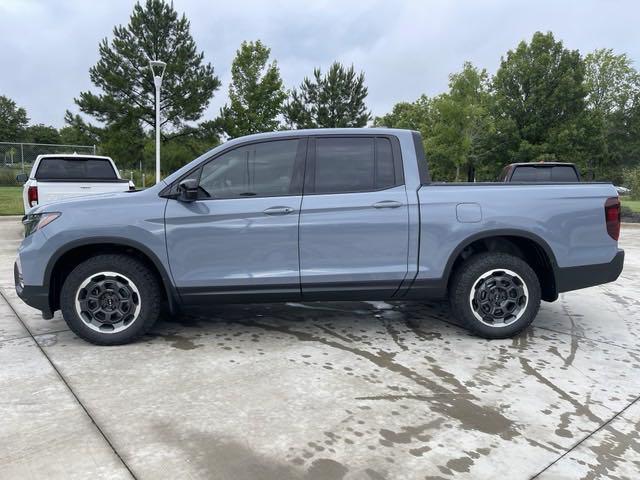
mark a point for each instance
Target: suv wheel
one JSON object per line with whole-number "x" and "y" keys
{"x": 110, "y": 299}
{"x": 497, "y": 295}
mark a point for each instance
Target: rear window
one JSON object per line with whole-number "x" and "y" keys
{"x": 564, "y": 173}
{"x": 556, "y": 173}
{"x": 64, "y": 168}
{"x": 531, "y": 174}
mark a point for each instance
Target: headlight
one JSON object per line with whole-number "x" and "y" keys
{"x": 35, "y": 221}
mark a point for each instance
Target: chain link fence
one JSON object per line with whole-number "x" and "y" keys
{"x": 22, "y": 155}
{"x": 19, "y": 157}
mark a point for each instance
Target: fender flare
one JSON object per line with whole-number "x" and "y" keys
{"x": 172, "y": 294}
{"x": 501, "y": 232}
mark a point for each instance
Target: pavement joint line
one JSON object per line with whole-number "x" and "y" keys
{"x": 588, "y": 339}
{"x": 32, "y": 336}
{"x": 64, "y": 381}
{"x": 586, "y": 438}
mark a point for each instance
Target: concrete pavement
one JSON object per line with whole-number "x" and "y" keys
{"x": 358, "y": 390}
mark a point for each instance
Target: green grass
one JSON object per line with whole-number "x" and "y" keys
{"x": 11, "y": 201}
{"x": 632, "y": 204}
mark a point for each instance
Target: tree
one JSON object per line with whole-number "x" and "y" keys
{"x": 256, "y": 93}
{"x": 123, "y": 74}
{"x": 77, "y": 131}
{"x": 41, "y": 133}
{"x": 334, "y": 100}
{"x": 416, "y": 115}
{"x": 463, "y": 123}
{"x": 613, "y": 98}
{"x": 13, "y": 120}
{"x": 611, "y": 81}
{"x": 540, "y": 102}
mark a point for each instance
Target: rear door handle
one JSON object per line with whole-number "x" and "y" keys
{"x": 387, "y": 204}
{"x": 278, "y": 211}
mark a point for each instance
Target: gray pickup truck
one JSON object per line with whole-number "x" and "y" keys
{"x": 313, "y": 215}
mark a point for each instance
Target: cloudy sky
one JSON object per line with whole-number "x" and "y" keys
{"x": 405, "y": 47}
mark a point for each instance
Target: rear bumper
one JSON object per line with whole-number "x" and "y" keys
{"x": 33, "y": 295}
{"x": 574, "y": 278}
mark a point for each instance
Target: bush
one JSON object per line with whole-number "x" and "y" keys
{"x": 8, "y": 176}
{"x": 632, "y": 181}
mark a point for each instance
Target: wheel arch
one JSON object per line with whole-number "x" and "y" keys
{"x": 69, "y": 256}
{"x": 526, "y": 245}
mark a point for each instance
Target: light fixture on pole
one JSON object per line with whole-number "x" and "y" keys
{"x": 157, "y": 69}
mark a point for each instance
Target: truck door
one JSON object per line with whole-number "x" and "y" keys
{"x": 354, "y": 223}
{"x": 239, "y": 239}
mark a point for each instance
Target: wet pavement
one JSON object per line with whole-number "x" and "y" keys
{"x": 348, "y": 390}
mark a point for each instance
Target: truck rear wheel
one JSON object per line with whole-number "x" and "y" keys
{"x": 497, "y": 295}
{"x": 110, "y": 299}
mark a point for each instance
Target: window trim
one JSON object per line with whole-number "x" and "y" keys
{"x": 295, "y": 187}
{"x": 396, "y": 154}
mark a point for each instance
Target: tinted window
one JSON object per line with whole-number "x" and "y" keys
{"x": 353, "y": 165}
{"x": 531, "y": 174}
{"x": 344, "y": 165}
{"x": 563, "y": 173}
{"x": 261, "y": 169}
{"x": 75, "y": 169}
{"x": 385, "y": 170}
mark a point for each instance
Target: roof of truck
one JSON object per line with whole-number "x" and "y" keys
{"x": 70, "y": 155}
{"x": 541, "y": 164}
{"x": 323, "y": 131}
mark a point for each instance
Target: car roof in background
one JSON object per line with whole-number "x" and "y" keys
{"x": 541, "y": 164}
{"x": 70, "y": 156}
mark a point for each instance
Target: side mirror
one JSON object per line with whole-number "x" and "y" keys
{"x": 22, "y": 178}
{"x": 188, "y": 190}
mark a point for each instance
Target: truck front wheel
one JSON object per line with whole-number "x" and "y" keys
{"x": 110, "y": 299}
{"x": 497, "y": 295}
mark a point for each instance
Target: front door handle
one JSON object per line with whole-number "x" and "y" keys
{"x": 278, "y": 211}
{"x": 387, "y": 204}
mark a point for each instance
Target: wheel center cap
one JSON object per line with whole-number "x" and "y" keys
{"x": 109, "y": 301}
{"x": 498, "y": 296}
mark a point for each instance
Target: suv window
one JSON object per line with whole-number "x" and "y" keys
{"x": 353, "y": 164}
{"x": 256, "y": 170}
{"x": 75, "y": 169}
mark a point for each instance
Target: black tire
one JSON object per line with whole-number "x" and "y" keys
{"x": 473, "y": 275}
{"x": 139, "y": 283}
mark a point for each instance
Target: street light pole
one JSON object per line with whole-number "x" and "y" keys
{"x": 157, "y": 69}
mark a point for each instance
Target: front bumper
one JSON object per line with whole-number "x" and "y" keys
{"x": 35, "y": 296}
{"x": 574, "y": 278}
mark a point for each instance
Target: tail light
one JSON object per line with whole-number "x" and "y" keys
{"x": 612, "y": 217}
{"x": 32, "y": 196}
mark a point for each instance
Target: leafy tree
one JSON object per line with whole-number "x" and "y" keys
{"x": 77, "y": 131}
{"x": 611, "y": 81}
{"x": 334, "y": 100}
{"x": 416, "y": 115}
{"x": 13, "y": 120}
{"x": 540, "y": 102}
{"x": 41, "y": 134}
{"x": 456, "y": 126}
{"x": 463, "y": 123}
{"x": 122, "y": 73}
{"x": 613, "y": 98}
{"x": 256, "y": 93}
